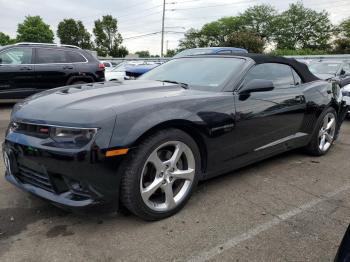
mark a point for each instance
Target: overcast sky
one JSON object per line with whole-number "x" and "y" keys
{"x": 138, "y": 17}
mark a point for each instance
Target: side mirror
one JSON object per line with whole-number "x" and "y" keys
{"x": 257, "y": 85}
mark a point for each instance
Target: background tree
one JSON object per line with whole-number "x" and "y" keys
{"x": 342, "y": 46}
{"x": 260, "y": 20}
{"x": 248, "y": 40}
{"x": 170, "y": 52}
{"x": 143, "y": 54}
{"x": 301, "y": 27}
{"x": 119, "y": 51}
{"x": 211, "y": 34}
{"x": 344, "y": 28}
{"x": 72, "y": 32}
{"x": 215, "y": 33}
{"x": 107, "y": 37}
{"x": 5, "y": 39}
{"x": 191, "y": 40}
{"x": 33, "y": 29}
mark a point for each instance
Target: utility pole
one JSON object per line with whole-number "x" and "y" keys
{"x": 162, "y": 44}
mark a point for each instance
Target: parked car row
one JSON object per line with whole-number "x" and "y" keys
{"x": 28, "y": 68}
{"x": 334, "y": 70}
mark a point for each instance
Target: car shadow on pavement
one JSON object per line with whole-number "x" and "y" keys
{"x": 15, "y": 220}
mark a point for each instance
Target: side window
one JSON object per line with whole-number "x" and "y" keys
{"x": 16, "y": 56}
{"x": 297, "y": 78}
{"x": 280, "y": 74}
{"x": 75, "y": 57}
{"x": 346, "y": 69}
{"x": 50, "y": 56}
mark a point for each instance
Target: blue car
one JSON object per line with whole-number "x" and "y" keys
{"x": 210, "y": 50}
{"x": 136, "y": 71}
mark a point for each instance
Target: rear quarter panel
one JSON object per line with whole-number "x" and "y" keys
{"x": 319, "y": 95}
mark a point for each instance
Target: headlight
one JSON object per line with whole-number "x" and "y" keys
{"x": 72, "y": 137}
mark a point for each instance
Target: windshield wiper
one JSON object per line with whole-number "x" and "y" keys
{"x": 183, "y": 85}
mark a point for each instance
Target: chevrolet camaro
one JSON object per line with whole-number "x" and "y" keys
{"x": 145, "y": 144}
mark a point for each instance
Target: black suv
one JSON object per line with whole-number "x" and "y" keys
{"x": 28, "y": 68}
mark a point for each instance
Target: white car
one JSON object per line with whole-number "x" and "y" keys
{"x": 117, "y": 73}
{"x": 346, "y": 97}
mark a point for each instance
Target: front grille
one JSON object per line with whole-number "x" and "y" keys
{"x": 29, "y": 176}
{"x": 31, "y": 129}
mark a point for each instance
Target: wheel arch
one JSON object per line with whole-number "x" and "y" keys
{"x": 186, "y": 126}
{"x": 87, "y": 78}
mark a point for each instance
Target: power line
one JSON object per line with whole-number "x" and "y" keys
{"x": 143, "y": 35}
{"x": 210, "y": 6}
{"x": 153, "y": 33}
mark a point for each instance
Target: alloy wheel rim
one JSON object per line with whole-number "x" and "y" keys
{"x": 167, "y": 176}
{"x": 326, "y": 133}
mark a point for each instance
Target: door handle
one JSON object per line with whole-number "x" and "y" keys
{"x": 68, "y": 67}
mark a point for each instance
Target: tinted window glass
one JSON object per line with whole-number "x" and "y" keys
{"x": 324, "y": 67}
{"x": 297, "y": 78}
{"x": 48, "y": 56}
{"x": 75, "y": 57}
{"x": 346, "y": 69}
{"x": 16, "y": 56}
{"x": 199, "y": 73}
{"x": 280, "y": 74}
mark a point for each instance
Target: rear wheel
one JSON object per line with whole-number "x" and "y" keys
{"x": 161, "y": 174}
{"x": 323, "y": 138}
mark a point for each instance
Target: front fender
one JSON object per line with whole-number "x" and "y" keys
{"x": 129, "y": 128}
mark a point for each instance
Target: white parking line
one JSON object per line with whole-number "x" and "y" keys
{"x": 234, "y": 241}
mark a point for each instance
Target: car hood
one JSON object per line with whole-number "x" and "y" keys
{"x": 90, "y": 103}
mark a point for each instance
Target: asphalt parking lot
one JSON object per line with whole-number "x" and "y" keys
{"x": 289, "y": 208}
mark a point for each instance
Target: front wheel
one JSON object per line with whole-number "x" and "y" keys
{"x": 323, "y": 137}
{"x": 160, "y": 175}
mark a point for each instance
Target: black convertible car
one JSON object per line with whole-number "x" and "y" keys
{"x": 343, "y": 254}
{"x": 147, "y": 143}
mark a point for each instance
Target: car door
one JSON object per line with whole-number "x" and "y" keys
{"x": 268, "y": 122}
{"x": 17, "y": 77}
{"x": 52, "y": 67}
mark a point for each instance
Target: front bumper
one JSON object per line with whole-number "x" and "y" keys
{"x": 80, "y": 179}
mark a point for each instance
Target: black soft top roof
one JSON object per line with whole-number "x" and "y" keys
{"x": 301, "y": 68}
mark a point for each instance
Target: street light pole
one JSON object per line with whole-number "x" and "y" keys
{"x": 162, "y": 44}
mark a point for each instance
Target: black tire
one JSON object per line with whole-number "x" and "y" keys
{"x": 131, "y": 173}
{"x": 313, "y": 147}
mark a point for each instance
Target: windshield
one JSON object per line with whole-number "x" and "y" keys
{"x": 324, "y": 68}
{"x": 203, "y": 73}
{"x": 196, "y": 51}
